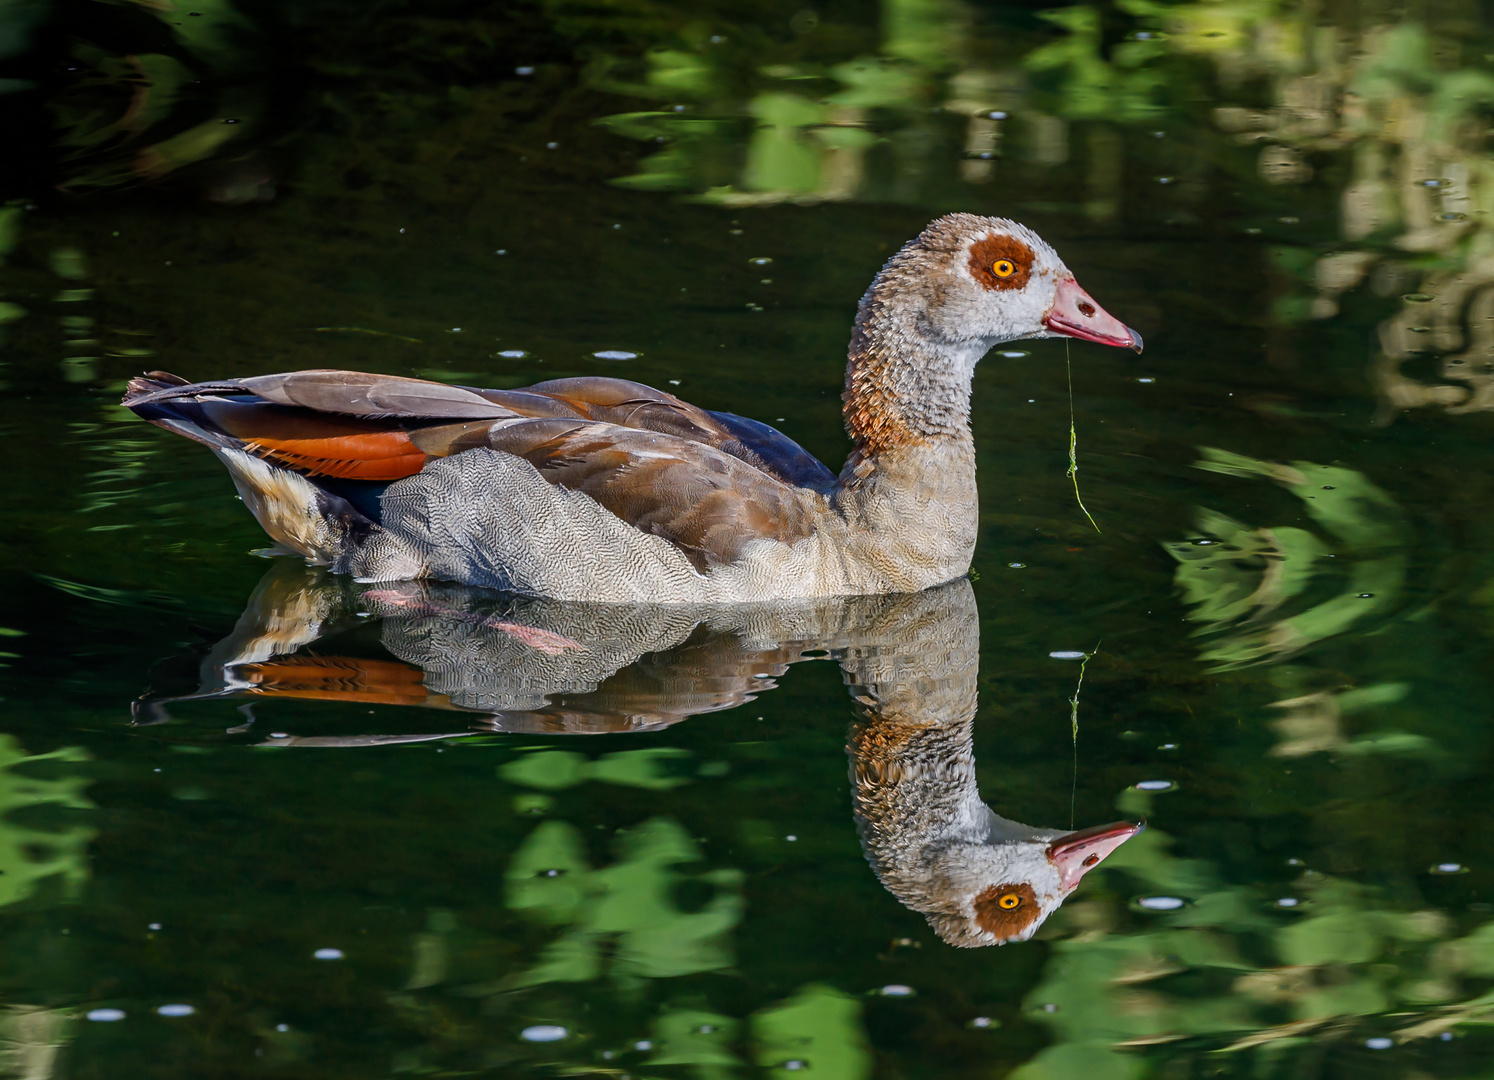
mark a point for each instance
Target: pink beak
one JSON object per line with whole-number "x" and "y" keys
{"x": 1075, "y": 314}
{"x": 1080, "y": 852}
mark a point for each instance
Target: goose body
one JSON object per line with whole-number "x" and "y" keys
{"x": 608, "y": 490}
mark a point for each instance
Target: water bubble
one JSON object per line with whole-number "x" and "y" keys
{"x": 1366, "y": 595}
{"x": 282, "y": 1027}
{"x": 706, "y": 1029}
{"x": 176, "y": 1010}
{"x": 1159, "y": 903}
{"x": 1202, "y": 541}
{"x": 106, "y": 1016}
{"x": 1155, "y": 785}
{"x": 761, "y": 260}
{"x": 896, "y": 990}
{"x": 1288, "y": 220}
{"x": 981, "y": 1022}
{"x": 1419, "y": 329}
{"x": 543, "y": 1033}
{"x": 1418, "y": 298}
{"x": 550, "y": 873}
{"x": 1017, "y": 565}
{"x": 1165, "y": 179}
{"x": 1252, "y": 232}
{"x": 1049, "y": 1007}
{"x": 1014, "y": 354}
{"x": 279, "y": 735}
{"x": 794, "y": 1065}
{"x": 1288, "y": 902}
{"x": 995, "y": 114}
{"x": 791, "y": 838}
{"x": 615, "y": 354}
{"x": 328, "y": 954}
{"x": 154, "y": 926}
{"x": 1446, "y": 1036}
{"x": 1436, "y": 182}
{"x": 1452, "y": 215}
{"x": 1168, "y": 746}
{"x": 1449, "y": 868}
{"x": 643, "y": 1044}
{"x": 523, "y": 71}
{"x": 1146, "y": 379}
{"x": 552, "y": 146}
{"x": 513, "y": 354}
{"x": 1379, "y": 1042}
{"x": 501, "y": 251}
{"x": 1143, "y": 35}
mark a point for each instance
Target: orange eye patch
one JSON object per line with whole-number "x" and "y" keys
{"x": 1001, "y": 262}
{"x": 1006, "y": 911}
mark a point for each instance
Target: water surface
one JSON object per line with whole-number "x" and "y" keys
{"x": 409, "y": 836}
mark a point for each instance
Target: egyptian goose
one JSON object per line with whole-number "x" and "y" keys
{"x": 604, "y": 489}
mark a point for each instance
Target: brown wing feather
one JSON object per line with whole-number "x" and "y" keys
{"x": 706, "y": 502}
{"x": 369, "y": 426}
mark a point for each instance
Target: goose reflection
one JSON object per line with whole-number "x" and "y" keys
{"x": 514, "y": 664}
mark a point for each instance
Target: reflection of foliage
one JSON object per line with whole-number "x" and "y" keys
{"x": 29, "y": 854}
{"x": 818, "y": 1028}
{"x": 630, "y": 902}
{"x": 552, "y": 770}
{"x": 31, "y": 1039}
{"x": 1242, "y": 582}
{"x": 640, "y": 921}
{"x": 1229, "y": 969}
{"x": 157, "y": 90}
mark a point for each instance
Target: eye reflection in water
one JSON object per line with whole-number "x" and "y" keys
{"x": 547, "y": 667}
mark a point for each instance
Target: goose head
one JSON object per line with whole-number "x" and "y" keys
{"x": 973, "y": 282}
{"x": 1001, "y": 890}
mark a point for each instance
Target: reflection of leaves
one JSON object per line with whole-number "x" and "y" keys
{"x": 28, "y": 854}
{"x": 630, "y": 902}
{"x": 820, "y": 1027}
{"x": 1238, "y": 579}
{"x": 1225, "y": 967}
{"x": 695, "y": 1037}
{"x": 553, "y": 770}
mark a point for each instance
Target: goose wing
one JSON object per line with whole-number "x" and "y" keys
{"x": 356, "y": 425}
{"x": 709, "y": 483}
{"x": 706, "y": 502}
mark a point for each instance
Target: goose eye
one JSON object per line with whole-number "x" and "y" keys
{"x": 1009, "y": 900}
{"x": 1004, "y": 268}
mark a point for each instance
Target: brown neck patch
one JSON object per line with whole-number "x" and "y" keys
{"x": 986, "y": 254}
{"x": 1006, "y": 923}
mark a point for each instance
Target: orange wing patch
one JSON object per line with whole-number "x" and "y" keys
{"x": 339, "y": 678}
{"x": 323, "y": 445}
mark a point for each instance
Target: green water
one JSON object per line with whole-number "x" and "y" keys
{"x": 1290, "y": 605}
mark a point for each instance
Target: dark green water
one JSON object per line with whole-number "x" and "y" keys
{"x": 1290, "y": 607}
